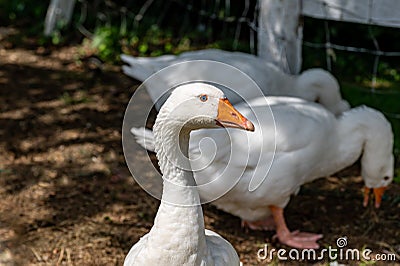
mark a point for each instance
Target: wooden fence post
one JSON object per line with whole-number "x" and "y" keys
{"x": 280, "y": 34}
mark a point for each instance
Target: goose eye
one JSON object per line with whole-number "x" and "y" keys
{"x": 386, "y": 178}
{"x": 203, "y": 97}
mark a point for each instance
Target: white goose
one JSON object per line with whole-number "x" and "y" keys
{"x": 312, "y": 85}
{"x": 309, "y": 143}
{"x": 178, "y": 236}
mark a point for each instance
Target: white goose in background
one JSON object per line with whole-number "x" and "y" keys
{"x": 178, "y": 236}
{"x": 309, "y": 143}
{"x": 312, "y": 85}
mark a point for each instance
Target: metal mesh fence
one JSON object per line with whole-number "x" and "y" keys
{"x": 214, "y": 20}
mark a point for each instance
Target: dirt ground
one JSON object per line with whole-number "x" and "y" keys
{"x": 66, "y": 194}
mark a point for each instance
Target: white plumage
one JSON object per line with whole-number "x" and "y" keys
{"x": 178, "y": 236}
{"x": 312, "y": 85}
{"x": 299, "y": 142}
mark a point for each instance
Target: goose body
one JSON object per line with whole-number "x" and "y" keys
{"x": 178, "y": 236}
{"x": 312, "y": 85}
{"x": 310, "y": 142}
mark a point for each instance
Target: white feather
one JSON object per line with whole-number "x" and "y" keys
{"x": 312, "y": 85}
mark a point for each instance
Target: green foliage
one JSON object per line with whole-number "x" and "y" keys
{"x": 109, "y": 42}
{"x": 106, "y": 41}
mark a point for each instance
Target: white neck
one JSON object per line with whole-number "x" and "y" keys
{"x": 178, "y": 231}
{"x": 363, "y": 131}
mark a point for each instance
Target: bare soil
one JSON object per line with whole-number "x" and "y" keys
{"x": 67, "y": 197}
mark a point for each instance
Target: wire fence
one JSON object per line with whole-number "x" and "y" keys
{"x": 237, "y": 21}
{"x": 385, "y": 100}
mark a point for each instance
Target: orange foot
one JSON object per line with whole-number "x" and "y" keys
{"x": 294, "y": 239}
{"x": 297, "y": 239}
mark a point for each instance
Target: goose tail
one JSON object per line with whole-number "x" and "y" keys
{"x": 141, "y": 68}
{"x": 134, "y": 68}
{"x": 144, "y": 137}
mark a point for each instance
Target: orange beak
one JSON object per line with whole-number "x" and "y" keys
{"x": 378, "y": 193}
{"x": 228, "y": 116}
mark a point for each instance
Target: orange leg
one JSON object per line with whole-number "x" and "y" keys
{"x": 266, "y": 224}
{"x": 294, "y": 239}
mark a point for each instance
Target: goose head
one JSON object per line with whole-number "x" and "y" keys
{"x": 377, "y": 176}
{"x": 200, "y": 105}
{"x": 377, "y": 160}
{"x": 189, "y": 107}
